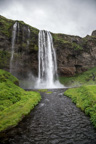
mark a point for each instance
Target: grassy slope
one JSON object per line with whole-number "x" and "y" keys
{"x": 85, "y": 98}
{"x": 85, "y": 95}
{"x": 15, "y": 103}
{"x": 86, "y": 78}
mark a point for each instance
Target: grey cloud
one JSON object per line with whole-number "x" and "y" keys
{"x": 76, "y": 17}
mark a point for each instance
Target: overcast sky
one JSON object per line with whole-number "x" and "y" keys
{"x": 75, "y": 17}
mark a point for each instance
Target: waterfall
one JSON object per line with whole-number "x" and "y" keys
{"x": 18, "y": 27}
{"x": 13, "y": 44}
{"x": 28, "y": 42}
{"x": 47, "y": 67}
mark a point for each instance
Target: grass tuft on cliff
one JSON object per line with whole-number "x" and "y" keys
{"x": 85, "y": 98}
{"x": 15, "y": 102}
{"x": 86, "y": 78}
{"x": 5, "y": 25}
{"x": 4, "y": 59}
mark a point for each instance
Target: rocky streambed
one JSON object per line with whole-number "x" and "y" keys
{"x": 56, "y": 120}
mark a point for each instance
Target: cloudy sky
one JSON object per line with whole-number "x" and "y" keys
{"x": 75, "y": 17}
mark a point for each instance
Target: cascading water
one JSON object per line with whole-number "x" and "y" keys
{"x": 28, "y": 37}
{"x": 47, "y": 69}
{"x": 13, "y": 44}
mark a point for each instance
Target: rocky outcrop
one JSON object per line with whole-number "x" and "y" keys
{"x": 25, "y": 49}
{"x": 74, "y": 54}
{"x": 94, "y": 33}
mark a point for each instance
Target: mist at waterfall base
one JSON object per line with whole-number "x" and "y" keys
{"x": 47, "y": 62}
{"x": 47, "y": 67}
{"x": 29, "y": 82}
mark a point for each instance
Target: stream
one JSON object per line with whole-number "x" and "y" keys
{"x": 55, "y": 120}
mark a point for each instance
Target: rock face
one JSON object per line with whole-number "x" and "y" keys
{"x": 94, "y": 33}
{"x": 74, "y": 54}
{"x": 25, "y": 48}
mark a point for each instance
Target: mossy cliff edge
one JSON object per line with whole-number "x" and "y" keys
{"x": 74, "y": 54}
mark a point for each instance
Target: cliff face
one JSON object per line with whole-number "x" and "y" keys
{"x": 74, "y": 54}
{"x": 25, "y": 48}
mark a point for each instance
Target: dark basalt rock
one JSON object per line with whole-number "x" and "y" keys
{"x": 94, "y": 33}
{"x": 74, "y": 54}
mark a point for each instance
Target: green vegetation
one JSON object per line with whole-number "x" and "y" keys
{"x": 24, "y": 45}
{"x": 89, "y": 39}
{"x": 85, "y": 98}
{"x": 60, "y": 38}
{"x": 34, "y": 30}
{"x": 7, "y": 77}
{"x": 49, "y": 92}
{"x": 4, "y": 58}
{"x": 76, "y": 46}
{"x": 15, "y": 102}
{"x": 36, "y": 48}
{"x": 5, "y": 26}
{"x": 43, "y": 90}
{"x": 66, "y": 41}
{"x": 86, "y": 78}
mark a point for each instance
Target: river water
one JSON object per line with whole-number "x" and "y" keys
{"x": 55, "y": 120}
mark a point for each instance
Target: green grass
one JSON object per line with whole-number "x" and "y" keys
{"x": 15, "y": 102}
{"x": 76, "y": 46}
{"x": 49, "y": 92}
{"x": 43, "y": 90}
{"x": 7, "y": 77}
{"x": 6, "y": 25}
{"x": 85, "y": 98}
{"x": 86, "y": 78}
